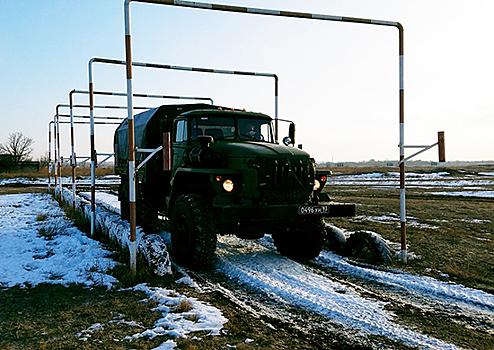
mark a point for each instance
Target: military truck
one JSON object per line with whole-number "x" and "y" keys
{"x": 221, "y": 172}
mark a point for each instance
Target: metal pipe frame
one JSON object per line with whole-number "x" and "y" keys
{"x": 205, "y": 70}
{"x": 275, "y": 13}
{"x": 91, "y": 106}
{"x": 132, "y": 198}
{"x": 73, "y": 159}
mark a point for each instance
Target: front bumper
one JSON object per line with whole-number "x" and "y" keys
{"x": 269, "y": 213}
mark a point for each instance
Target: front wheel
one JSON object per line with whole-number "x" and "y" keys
{"x": 193, "y": 231}
{"x": 302, "y": 240}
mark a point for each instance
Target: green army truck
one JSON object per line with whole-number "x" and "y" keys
{"x": 220, "y": 171}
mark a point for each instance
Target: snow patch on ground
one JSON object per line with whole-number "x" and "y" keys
{"x": 392, "y": 218}
{"x": 39, "y": 245}
{"x": 483, "y": 194}
{"x": 439, "y": 180}
{"x": 179, "y": 321}
{"x": 107, "y": 200}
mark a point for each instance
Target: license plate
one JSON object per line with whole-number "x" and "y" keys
{"x": 313, "y": 209}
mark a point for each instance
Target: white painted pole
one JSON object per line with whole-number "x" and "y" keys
{"x": 130, "y": 118}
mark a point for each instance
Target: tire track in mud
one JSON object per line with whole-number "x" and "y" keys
{"x": 416, "y": 291}
{"x": 290, "y": 286}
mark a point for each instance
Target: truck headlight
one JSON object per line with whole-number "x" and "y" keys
{"x": 228, "y": 185}
{"x": 317, "y": 184}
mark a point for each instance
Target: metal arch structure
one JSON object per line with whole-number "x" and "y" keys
{"x": 202, "y": 70}
{"x": 132, "y": 150}
{"x": 52, "y": 165}
{"x": 274, "y": 13}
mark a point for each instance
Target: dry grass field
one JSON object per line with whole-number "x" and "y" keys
{"x": 451, "y": 235}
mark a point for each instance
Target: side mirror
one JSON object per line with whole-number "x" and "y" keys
{"x": 291, "y": 133}
{"x": 287, "y": 141}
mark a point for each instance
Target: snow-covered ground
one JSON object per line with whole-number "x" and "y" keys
{"x": 258, "y": 265}
{"x": 39, "y": 245}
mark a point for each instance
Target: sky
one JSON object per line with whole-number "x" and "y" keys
{"x": 338, "y": 81}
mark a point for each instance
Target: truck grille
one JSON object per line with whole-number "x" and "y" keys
{"x": 285, "y": 181}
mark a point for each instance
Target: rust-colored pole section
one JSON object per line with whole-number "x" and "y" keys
{"x": 442, "y": 150}
{"x": 130, "y": 118}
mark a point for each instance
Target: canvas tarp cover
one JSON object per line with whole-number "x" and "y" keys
{"x": 147, "y": 128}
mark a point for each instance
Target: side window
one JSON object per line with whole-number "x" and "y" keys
{"x": 181, "y": 131}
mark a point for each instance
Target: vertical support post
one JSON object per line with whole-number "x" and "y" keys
{"x": 93, "y": 152}
{"x": 59, "y": 166}
{"x": 55, "y": 149}
{"x": 72, "y": 160}
{"x": 49, "y": 157}
{"x": 130, "y": 118}
{"x": 403, "y": 216}
{"x": 441, "y": 146}
{"x": 275, "y": 108}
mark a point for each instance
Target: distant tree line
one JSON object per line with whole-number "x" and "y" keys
{"x": 16, "y": 151}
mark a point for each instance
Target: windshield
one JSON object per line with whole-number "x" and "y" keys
{"x": 255, "y": 130}
{"x": 224, "y": 128}
{"x": 220, "y": 128}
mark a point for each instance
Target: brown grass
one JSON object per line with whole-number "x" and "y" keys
{"x": 66, "y": 171}
{"x": 183, "y": 306}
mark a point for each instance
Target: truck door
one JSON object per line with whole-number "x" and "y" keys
{"x": 179, "y": 141}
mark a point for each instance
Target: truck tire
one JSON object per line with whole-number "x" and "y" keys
{"x": 301, "y": 241}
{"x": 369, "y": 246}
{"x": 193, "y": 231}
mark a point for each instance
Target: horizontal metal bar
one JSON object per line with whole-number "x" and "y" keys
{"x": 148, "y": 157}
{"x": 88, "y": 117}
{"x": 417, "y": 153}
{"x": 145, "y": 150}
{"x": 415, "y": 146}
{"x": 110, "y": 93}
{"x": 104, "y": 160}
